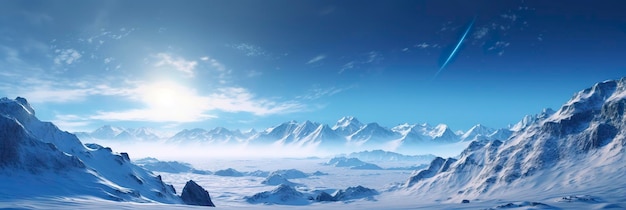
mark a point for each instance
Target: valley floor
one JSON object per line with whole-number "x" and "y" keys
{"x": 229, "y": 192}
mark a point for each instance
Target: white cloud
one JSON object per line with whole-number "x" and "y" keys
{"x": 72, "y": 123}
{"x": 60, "y": 91}
{"x": 481, "y": 32}
{"x": 250, "y": 49}
{"x": 214, "y": 63}
{"x": 179, "y": 64}
{"x": 316, "y": 93}
{"x": 171, "y": 102}
{"x": 349, "y": 65}
{"x": 316, "y": 59}
{"x": 67, "y": 56}
{"x": 425, "y": 45}
{"x": 373, "y": 57}
{"x": 512, "y": 17}
{"x": 236, "y": 99}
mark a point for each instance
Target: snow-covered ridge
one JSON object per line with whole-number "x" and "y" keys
{"x": 56, "y": 163}
{"x": 578, "y": 147}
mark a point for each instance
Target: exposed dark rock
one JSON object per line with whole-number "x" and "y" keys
{"x": 323, "y": 196}
{"x": 194, "y": 194}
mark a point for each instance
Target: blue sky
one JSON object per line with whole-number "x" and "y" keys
{"x": 255, "y": 64}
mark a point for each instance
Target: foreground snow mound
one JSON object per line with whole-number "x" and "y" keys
{"x": 154, "y": 164}
{"x": 56, "y": 163}
{"x": 283, "y": 194}
{"x": 352, "y": 163}
{"x": 194, "y": 194}
{"x": 579, "y": 147}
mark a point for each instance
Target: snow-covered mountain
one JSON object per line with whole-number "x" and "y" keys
{"x": 578, "y": 148}
{"x": 56, "y": 163}
{"x": 482, "y": 133}
{"x": 372, "y": 134}
{"x": 424, "y": 134}
{"x": 381, "y": 155}
{"x": 347, "y": 125}
{"x": 476, "y": 132}
{"x": 347, "y": 133}
{"x": 217, "y": 135}
{"x": 109, "y": 132}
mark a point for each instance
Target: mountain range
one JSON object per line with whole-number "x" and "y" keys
{"x": 347, "y": 132}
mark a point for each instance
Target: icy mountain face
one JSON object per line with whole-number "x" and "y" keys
{"x": 482, "y": 133}
{"x": 424, "y": 134}
{"x": 372, "y": 134}
{"x": 531, "y": 119}
{"x": 109, "y": 132}
{"x": 217, "y": 135}
{"x": 476, "y": 132}
{"x": 583, "y": 143}
{"x": 347, "y": 125}
{"x": 30, "y": 148}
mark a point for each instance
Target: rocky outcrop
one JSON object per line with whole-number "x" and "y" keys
{"x": 194, "y": 194}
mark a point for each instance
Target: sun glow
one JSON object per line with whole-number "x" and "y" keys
{"x": 162, "y": 95}
{"x": 170, "y": 101}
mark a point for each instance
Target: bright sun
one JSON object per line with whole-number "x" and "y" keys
{"x": 170, "y": 101}
{"x": 163, "y": 95}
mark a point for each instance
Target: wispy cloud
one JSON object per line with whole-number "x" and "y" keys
{"x": 249, "y": 49}
{"x": 371, "y": 57}
{"x": 316, "y": 59}
{"x": 374, "y": 57}
{"x": 347, "y": 66}
{"x": 61, "y": 90}
{"x": 214, "y": 63}
{"x": 317, "y": 92}
{"x": 179, "y": 64}
{"x": 481, "y": 32}
{"x": 66, "y": 56}
{"x": 190, "y": 106}
{"x": 425, "y": 45}
{"x": 237, "y": 99}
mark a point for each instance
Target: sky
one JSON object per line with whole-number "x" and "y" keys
{"x": 247, "y": 64}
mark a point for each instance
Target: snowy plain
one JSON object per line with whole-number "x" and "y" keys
{"x": 229, "y": 192}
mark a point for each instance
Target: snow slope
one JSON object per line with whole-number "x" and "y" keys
{"x": 40, "y": 160}
{"x": 579, "y": 148}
